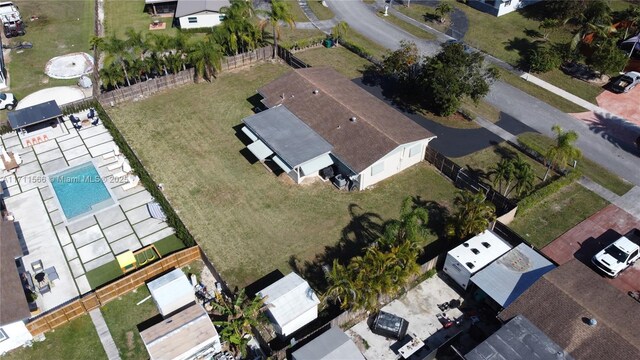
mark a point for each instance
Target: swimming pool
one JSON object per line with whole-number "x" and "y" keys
{"x": 80, "y": 191}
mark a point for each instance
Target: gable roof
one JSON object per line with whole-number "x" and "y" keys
{"x": 293, "y": 140}
{"x": 505, "y": 279}
{"x": 327, "y": 101}
{"x": 289, "y": 298}
{"x": 563, "y": 300}
{"x": 191, "y": 7}
{"x": 13, "y": 303}
{"x": 333, "y": 344}
{"x": 519, "y": 339}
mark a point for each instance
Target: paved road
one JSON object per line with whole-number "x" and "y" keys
{"x": 513, "y": 102}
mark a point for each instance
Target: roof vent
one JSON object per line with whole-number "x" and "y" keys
{"x": 470, "y": 265}
{"x": 315, "y": 91}
{"x": 475, "y": 251}
{"x": 465, "y": 244}
{"x": 282, "y": 96}
{"x": 593, "y": 322}
{"x": 338, "y": 127}
{"x": 353, "y": 119}
{"x": 486, "y": 244}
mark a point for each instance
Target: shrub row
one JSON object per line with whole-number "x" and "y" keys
{"x": 145, "y": 178}
{"x": 302, "y": 43}
{"x": 358, "y": 50}
{"x": 544, "y": 192}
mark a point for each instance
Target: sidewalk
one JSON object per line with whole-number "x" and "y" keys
{"x": 104, "y": 334}
{"x": 322, "y": 25}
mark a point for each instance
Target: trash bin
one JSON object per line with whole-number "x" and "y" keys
{"x": 328, "y": 43}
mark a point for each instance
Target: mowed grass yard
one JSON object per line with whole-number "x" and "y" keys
{"x": 123, "y": 14}
{"x": 76, "y": 340}
{"x": 558, "y": 213}
{"x": 62, "y": 27}
{"x": 341, "y": 59}
{"x": 248, "y": 221}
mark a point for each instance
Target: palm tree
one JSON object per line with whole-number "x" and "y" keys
{"x": 443, "y": 10}
{"x": 111, "y": 76}
{"x": 563, "y": 150}
{"x": 342, "y": 287}
{"x": 632, "y": 18}
{"x": 117, "y": 52}
{"x": 524, "y": 176}
{"x": 503, "y": 172}
{"x": 280, "y": 11}
{"x": 411, "y": 227}
{"x": 241, "y": 315}
{"x": 473, "y": 214}
{"x": 237, "y": 31}
{"x": 205, "y": 56}
{"x": 339, "y": 31}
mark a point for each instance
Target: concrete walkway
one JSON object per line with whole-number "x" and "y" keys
{"x": 598, "y": 189}
{"x": 322, "y": 25}
{"x": 105, "y": 336}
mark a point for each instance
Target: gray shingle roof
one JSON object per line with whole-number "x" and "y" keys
{"x": 191, "y": 7}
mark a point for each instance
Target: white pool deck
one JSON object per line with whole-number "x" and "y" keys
{"x": 81, "y": 245}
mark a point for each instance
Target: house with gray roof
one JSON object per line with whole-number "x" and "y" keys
{"x": 318, "y": 119}
{"x": 333, "y": 344}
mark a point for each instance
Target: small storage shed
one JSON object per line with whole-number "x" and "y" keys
{"x": 188, "y": 334}
{"x": 333, "y": 344}
{"x": 512, "y": 274}
{"x": 473, "y": 255}
{"x": 171, "y": 292}
{"x": 291, "y": 304}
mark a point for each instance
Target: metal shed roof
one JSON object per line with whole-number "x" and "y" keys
{"x": 519, "y": 339}
{"x": 192, "y": 7}
{"x": 480, "y": 250}
{"x": 513, "y": 273}
{"x": 293, "y": 140}
{"x": 34, "y": 114}
{"x": 289, "y": 298}
{"x": 333, "y": 344}
{"x": 171, "y": 291}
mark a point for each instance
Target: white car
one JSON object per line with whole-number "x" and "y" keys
{"x": 618, "y": 256}
{"x": 7, "y": 101}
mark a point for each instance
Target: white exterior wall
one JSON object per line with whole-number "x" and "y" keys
{"x": 17, "y": 335}
{"x": 203, "y": 20}
{"x": 507, "y": 7}
{"x": 300, "y": 321}
{"x": 457, "y": 271}
{"x": 394, "y": 162}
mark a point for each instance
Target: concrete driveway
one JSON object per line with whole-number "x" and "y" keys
{"x": 626, "y": 105}
{"x": 592, "y": 235}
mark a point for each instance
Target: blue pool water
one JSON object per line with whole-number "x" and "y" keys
{"x": 80, "y": 190}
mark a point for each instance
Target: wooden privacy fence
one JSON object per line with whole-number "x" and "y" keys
{"x": 146, "y": 88}
{"x": 98, "y": 297}
{"x": 246, "y": 59}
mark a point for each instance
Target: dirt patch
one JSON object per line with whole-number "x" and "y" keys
{"x": 130, "y": 343}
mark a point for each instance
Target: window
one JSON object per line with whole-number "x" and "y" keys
{"x": 633, "y": 255}
{"x": 507, "y": 3}
{"x": 192, "y": 20}
{"x": 377, "y": 168}
{"x": 416, "y": 150}
{"x": 3, "y": 335}
{"x": 221, "y": 17}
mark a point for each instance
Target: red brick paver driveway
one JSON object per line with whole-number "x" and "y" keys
{"x": 625, "y": 105}
{"x": 592, "y": 235}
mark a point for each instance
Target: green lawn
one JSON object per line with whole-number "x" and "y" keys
{"x": 62, "y": 27}
{"x": 482, "y": 161}
{"x": 76, "y": 340}
{"x": 558, "y": 213}
{"x": 296, "y": 11}
{"x": 123, "y": 14}
{"x": 169, "y": 245}
{"x": 341, "y": 59}
{"x": 590, "y": 169}
{"x": 248, "y": 221}
{"x": 411, "y": 29}
{"x": 322, "y": 12}
{"x": 508, "y": 37}
{"x": 373, "y": 48}
{"x": 122, "y": 317}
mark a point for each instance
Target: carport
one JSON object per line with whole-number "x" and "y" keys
{"x": 36, "y": 117}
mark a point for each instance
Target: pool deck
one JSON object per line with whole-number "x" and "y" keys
{"x": 83, "y": 244}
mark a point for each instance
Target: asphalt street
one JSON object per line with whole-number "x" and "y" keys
{"x": 511, "y": 101}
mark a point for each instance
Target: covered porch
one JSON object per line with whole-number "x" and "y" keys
{"x": 38, "y": 123}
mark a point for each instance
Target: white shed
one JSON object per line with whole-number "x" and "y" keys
{"x": 171, "y": 292}
{"x": 291, "y": 304}
{"x": 473, "y": 255}
{"x": 193, "y": 14}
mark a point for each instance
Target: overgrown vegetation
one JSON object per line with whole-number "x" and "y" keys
{"x": 472, "y": 215}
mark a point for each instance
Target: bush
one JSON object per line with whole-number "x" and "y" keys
{"x": 551, "y": 188}
{"x": 358, "y": 50}
{"x": 543, "y": 59}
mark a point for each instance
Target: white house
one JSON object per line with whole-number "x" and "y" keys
{"x": 473, "y": 255}
{"x": 191, "y": 14}
{"x": 291, "y": 304}
{"x": 14, "y": 310}
{"x": 317, "y": 118}
{"x": 500, "y": 7}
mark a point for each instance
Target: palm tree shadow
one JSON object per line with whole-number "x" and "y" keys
{"x": 363, "y": 229}
{"x": 617, "y": 131}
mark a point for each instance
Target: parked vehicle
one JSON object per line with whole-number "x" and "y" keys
{"x": 618, "y": 256}
{"x": 8, "y": 101}
{"x": 625, "y": 82}
{"x": 11, "y": 21}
